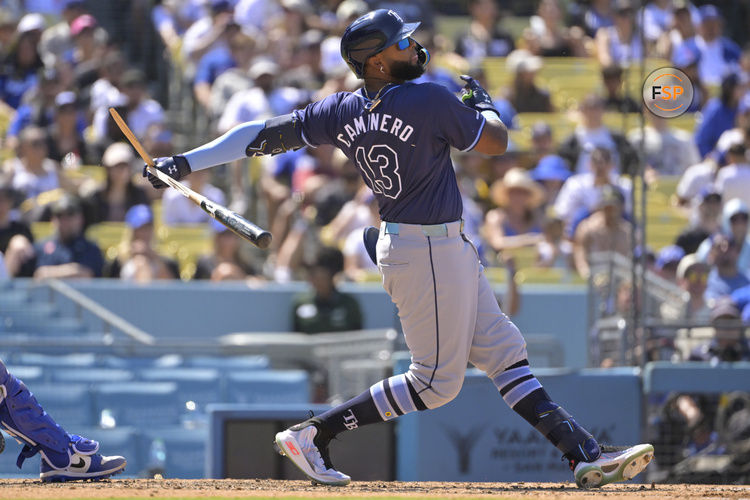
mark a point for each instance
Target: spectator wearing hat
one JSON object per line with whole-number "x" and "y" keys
{"x": 729, "y": 342}
{"x": 551, "y": 172}
{"x": 37, "y": 107}
{"x": 253, "y": 103}
{"x": 620, "y": 44}
{"x": 734, "y": 224}
{"x": 176, "y": 209}
{"x": 32, "y": 172}
{"x": 119, "y": 193}
{"x": 324, "y": 308}
{"x": 606, "y": 230}
{"x": 667, "y": 261}
{"x": 668, "y": 150}
{"x": 719, "y": 115}
{"x": 692, "y": 276}
{"x": 548, "y": 36}
{"x": 484, "y": 37}
{"x": 554, "y": 250}
{"x": 67, "y": 254}
{"x": 580, "y": 193}
{"x": 725, "y": 276}
{"x": 65, "y": 142}
{"x": 226, "y": 262}
{"x": 19, "y": 67}
{"x": 88, "y": 48}
{"x": 516, "y": 221}
{"x": 137, "y": 260}
{"x": 705, "y": 220}
{"x": 591, "y": 133}
{"x": 57, "y": 40}
{"x": 719, "y": 54}
{"x": 525, "y": 95}
{"x": 142, "y": 111}
{"x": 614, "y": 98}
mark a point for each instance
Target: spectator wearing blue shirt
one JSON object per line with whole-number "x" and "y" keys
{"x": 724, "y": 277}
{"x": 718, "y": 115}
{"x": 686, "y": 59}
{"x": 37, "y": 106}
{"x": 18, "y": 70}
{"x": 67, "y": 254}
{"x": 216, "y": 61}
{"x": 719, "y": 54}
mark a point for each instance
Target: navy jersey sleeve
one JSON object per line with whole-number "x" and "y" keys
{"x": 456, "y": 123}
{"x": 320, "y": 120}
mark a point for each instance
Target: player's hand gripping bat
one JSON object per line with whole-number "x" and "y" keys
{"x": 236, "y": 223}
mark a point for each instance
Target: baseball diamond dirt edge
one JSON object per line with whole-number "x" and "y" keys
{"x": 233, "y": 221}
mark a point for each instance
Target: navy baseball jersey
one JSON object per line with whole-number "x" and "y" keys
{"x": 401, "y": 145}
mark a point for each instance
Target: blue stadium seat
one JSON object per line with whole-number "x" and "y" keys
{"x": 290, "y": 386}
{"x": 139, "y": 404}
{"x": 79, "y": 360}
{"x": 91, "y": 375}
{"x": 185, "y": 450}
{"x": 200, "y": 385}
{"x": 229, "y": 363}
{"x": 30, "y": 375}
{"x": 71, "y": 405}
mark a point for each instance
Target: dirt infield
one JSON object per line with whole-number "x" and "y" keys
{"x": 175, "y": 488}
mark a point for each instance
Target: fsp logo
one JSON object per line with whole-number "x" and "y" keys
{"x": 667, "y": 92}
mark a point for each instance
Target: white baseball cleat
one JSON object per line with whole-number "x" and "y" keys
{"x": 613, "y": 465}
{"x": 305, "y": 447}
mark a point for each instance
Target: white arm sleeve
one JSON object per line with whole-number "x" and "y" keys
{"x": 229, "y": 147}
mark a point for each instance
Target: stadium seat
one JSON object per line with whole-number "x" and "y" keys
{"x": 185, "y": 450}
{"x": 200, "y": 385}
{"x": 71, "y": 405}
{"x": 290, "y": 386}
{"x": 229, "y": 364}
{"x": 139, "y": 404}
{"x": 92, "y": 376}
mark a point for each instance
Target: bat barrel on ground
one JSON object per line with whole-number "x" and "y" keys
{"x": 235, "y": 222}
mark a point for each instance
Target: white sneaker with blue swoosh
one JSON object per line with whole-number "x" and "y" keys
{"x": 85, "y": 464}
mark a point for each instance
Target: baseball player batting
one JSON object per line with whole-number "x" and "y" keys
{"x": 399, "y": 135}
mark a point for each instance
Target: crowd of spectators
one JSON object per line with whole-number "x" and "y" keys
{"x": 64, "y": 63}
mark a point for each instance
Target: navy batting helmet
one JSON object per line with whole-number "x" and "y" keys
{"x": 373, "y": 32}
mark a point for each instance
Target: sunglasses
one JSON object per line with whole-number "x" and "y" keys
{"x": 696, "y": 278}
{"x": 404, "y": 44}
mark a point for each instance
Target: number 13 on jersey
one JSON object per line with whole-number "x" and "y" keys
{"x": 380, "y": 166}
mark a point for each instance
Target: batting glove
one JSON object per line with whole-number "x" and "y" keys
{"x": 176, "y": 167}
{"x": 474, "y": 96}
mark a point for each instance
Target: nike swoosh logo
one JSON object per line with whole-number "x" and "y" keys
{"x": 80, "y": 463}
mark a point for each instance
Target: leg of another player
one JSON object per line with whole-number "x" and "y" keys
{"x": 65, "y": 457}
{"x": 499, "y": 350}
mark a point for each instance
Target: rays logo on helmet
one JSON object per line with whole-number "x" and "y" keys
{"x": 395, "y": 14}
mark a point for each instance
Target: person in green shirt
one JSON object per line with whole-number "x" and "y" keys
{"x": 324, "y": 308}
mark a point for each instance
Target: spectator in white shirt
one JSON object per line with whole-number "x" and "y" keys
{"x": 142, "y": 111}
{"x": 733, "y": 180}
{"x": 581, "y": 193}
{"x": 32, "y": 172}
{"x": 669, "y": 151}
